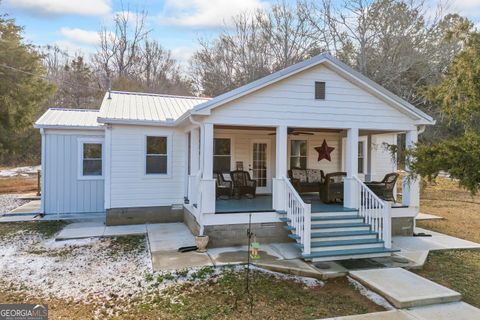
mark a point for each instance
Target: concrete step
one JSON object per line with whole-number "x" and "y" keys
{"x": 348, "y": 254}
{"x": 405, "y": 289}
{"x": 319, "y": 246}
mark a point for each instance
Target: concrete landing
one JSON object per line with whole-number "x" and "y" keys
{"x": 81, "y": 230}
{"x": 386, "y": 315}
{"x": 169, "y": 236}
{"x": 427, "y": 216}
{"x": 403, "y": 288}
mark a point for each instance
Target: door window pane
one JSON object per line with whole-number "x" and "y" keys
{"x": 259, "y": 170}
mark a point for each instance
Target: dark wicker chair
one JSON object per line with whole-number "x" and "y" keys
{"x": 331, "y": 190}
{"x": 223, "y": 188}
{"x": 243, "y": 184}
{"x": 384, "y": 189}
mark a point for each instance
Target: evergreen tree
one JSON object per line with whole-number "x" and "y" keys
{"x": 22, "y": 91}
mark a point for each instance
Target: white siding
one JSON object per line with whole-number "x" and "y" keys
{"x": 292, "y": 102}
{"x": 64, "y": 193}
{"x": 382, "y": 162}
{"x": 130, "y": 186}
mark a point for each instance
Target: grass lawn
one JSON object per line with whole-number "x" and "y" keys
{"x": 456, "y": 269}
{"x": 111, "y": 278}
{"x": 18, "y": 184}
{"x": 224, "y": 297}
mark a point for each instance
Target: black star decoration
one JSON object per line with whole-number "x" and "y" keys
{"x": 324, "y": 151}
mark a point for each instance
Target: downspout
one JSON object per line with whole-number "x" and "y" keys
{"x": 43, "y": 171}
{"x": 200, "y": 170}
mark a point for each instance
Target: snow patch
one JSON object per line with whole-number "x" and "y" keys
{"x": 19, "y": 171}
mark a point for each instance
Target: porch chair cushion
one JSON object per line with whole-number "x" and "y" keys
{"x": 306, "y": 180}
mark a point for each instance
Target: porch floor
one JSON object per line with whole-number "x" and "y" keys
{"x": 263, "y": 203}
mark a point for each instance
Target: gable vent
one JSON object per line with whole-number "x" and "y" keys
{"x": 319, "y": 90}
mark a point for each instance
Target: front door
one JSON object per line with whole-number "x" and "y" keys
{"x": 260, "y": 166}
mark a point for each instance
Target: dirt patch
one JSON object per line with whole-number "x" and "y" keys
{"x": 18, "y": 184}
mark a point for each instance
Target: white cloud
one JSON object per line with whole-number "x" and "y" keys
{"x": 81, "y": 36}
{"x": 205, "y": 13}
{"x": 183, "y": 54}
{"x": 62, "y": 7}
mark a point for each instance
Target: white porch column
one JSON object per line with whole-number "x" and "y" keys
{"x": 410, "y": 187}
{"x": 280, "y": 168}
{"x": 194, "y": 151}
{"x": 350, "y": 197}
{"x": 208, "y": 183}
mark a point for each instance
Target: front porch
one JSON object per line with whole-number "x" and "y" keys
{"x": 264, "y": 203}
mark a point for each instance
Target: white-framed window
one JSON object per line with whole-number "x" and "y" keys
{"x": 90, "y": 164}
{"x": 298, "y": 154}
{"x": 222, "y": 154}
{"x": 156, "y": 155}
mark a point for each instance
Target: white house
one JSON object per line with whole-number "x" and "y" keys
{"x": 151, "y": 158}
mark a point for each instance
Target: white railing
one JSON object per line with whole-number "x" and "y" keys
{"x": 375, "y": 211}
{"x": 299, "y": 214}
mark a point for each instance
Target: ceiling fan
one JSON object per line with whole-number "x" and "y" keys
{"x": 294, "y": 132}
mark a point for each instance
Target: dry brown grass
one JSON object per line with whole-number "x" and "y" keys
{"x": 18, "y": 184}
{"x": 460, "y": 210}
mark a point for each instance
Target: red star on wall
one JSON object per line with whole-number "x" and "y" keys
{"x": 324, "y": 151}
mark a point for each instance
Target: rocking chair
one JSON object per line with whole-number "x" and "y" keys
{"x": 384, "y": 189}
{"x": 243, "y": 184}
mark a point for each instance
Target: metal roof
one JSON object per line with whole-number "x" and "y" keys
{"x": 140, "y": 108}
{"x": 69, "y": 118}
{"x": 306, "y": 64}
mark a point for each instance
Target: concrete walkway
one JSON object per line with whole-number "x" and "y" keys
{"x": 81, "y": 230}
{"x": 427, "y": 216}
{"x": 405, "y": 289}
{"x": 417, "y": 248}
{"x": 447, "y": 311}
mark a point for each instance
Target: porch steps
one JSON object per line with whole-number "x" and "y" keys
{"x": 339, "y": 236}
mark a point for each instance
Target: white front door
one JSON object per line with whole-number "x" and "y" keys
{"x": 260, "y": 165}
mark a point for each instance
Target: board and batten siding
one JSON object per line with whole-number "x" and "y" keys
{"x": 130, "y": 186}
{"x": 64, "y": 192}
{"x": 292, "y": 102}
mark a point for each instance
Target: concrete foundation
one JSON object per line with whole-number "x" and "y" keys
{"x": 402, "y": 226}
{"x": 191, "y": 222}
{"x": 140, "y": 215}
{"x": 236, "y": 234}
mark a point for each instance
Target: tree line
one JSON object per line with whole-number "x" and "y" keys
{"x": 404, "y": 45}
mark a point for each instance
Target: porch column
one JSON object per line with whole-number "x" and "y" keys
{"x": 208, "y": 183}
{"x": 410, "y": 186}
{"x": 194, "y": 151}
{"x": 278, "y": 196}
{"x": 350, "y": 197}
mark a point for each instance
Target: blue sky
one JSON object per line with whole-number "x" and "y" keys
{"x": 176, "y": 24}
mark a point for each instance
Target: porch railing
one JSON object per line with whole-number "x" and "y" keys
{"x": 299, "y": 214}
{"x": 375, "y": 211}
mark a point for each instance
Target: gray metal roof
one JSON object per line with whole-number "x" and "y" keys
{"x": 69, "y": 118}
{"x": 134, "y": 107}
{"x": 298, "y": 67}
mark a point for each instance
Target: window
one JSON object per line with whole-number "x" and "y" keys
{"x": 91, "y": 153}
{"x": 298, "y": 154}
{"x": 221, "y": 155}
{"x": 361, "y": 157}
{"x": 156, "y": 158}
{"x": 319, "y": 90}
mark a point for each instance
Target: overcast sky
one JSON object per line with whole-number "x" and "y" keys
{"x": 176, "y": 24}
